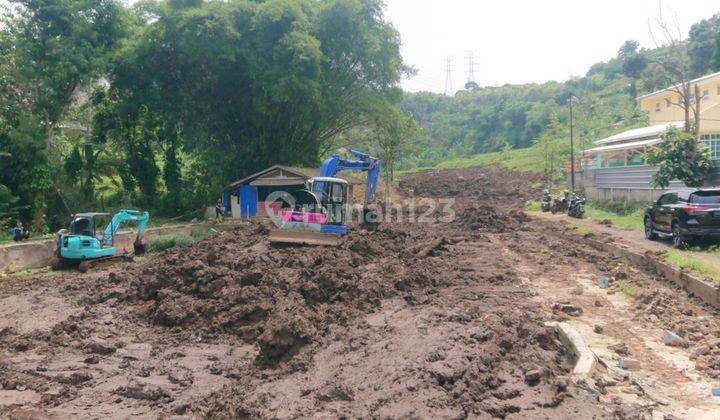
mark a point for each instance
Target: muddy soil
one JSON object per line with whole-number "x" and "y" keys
{"x": 431, "y": 319}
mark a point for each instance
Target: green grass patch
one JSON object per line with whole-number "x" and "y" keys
{"x": 581, "y": 229}
{"x": 628, "y": 289}
{"x": 526, "y": 159}
{"x": 6, "y": 237}
{"x": 621, "y": 215}
{"x": 161, "y": 243}
{"x": 517, "y": 159}
{"x": 694, "y": 265}
{"x": 203, "y": 233}
{"x": 532, "y": 205}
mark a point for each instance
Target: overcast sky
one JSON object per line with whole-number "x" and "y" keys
{"x": 519, "y": 41}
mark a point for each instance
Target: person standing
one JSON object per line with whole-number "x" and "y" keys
{"x": 219, "y": 212}
{"x": 18, "y": 232}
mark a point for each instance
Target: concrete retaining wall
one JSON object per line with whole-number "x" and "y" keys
{"x": 623, "y": 194}
{"x": 36, "y": 254}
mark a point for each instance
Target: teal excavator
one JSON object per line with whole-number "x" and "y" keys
{"x": 84, "y": 245}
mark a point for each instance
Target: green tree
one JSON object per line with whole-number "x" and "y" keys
{"x": 554, "y": 154}
{"x": 395, "y": 134}
{"x": 680, "y": 156}
{"x": 701, "y": 45}
{"x": 633, "y": 63}
{"x": 249, "y": 84}
{"x": 55, "y": 47}
{"x": 716, "y": 54}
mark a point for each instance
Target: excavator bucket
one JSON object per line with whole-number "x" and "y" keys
{"x": 280, "y": 236}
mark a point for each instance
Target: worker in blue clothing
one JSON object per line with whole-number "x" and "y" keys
{"x": 19, "y": 232}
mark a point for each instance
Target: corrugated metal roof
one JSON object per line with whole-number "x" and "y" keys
{"x": 624, "y": 146}
{"x": 296, "y": 172}
{"x": 638, "y": 133}
{"x": 297, "y": 176}
{"x": 277, "y": 181}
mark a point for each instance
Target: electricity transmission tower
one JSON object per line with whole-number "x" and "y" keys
{"x": 448, "y": 77}
{"x": 471, "y": 85}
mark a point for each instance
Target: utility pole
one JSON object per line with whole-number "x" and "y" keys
{"x": 448, "y": 77}
{"x": 572, "y": 145}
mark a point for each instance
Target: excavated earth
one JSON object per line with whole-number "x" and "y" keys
{"x": 426, "y": 319}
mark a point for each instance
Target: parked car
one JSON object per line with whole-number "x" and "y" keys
{"x": 684, "y": 215}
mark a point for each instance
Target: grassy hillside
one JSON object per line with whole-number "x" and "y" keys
{"x": 525, "y": 159}
{"x": 527, "y": 126}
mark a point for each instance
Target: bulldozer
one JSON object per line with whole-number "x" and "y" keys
{"x": 317, "y": 215}
{"x": 85, "y": 245}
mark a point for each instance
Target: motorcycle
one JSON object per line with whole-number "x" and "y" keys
{"x": 577, "y": 207}
{"x": 546, "y": 203}
{"x": 560, "y": 204}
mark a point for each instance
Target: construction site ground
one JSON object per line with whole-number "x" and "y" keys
{"x": 442, "y": 318}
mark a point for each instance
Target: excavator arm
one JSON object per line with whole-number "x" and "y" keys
{"x": 122, "y": 217}
{"x": 365, "y": 163}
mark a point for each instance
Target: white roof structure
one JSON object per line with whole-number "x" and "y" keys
{"x": 640, "y": 133}
{"x": 624, "y": 146}
{"x": 673, "y": 88}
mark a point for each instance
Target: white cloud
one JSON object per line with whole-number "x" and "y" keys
{"x": 520, "y": 41}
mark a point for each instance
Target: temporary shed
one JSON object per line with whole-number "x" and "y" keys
{"x": 246, "y": 197}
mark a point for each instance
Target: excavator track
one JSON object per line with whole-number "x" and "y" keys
{"x": 86, "y": 265}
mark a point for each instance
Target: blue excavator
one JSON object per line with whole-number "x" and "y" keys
{"x": 86, "y": 246}
{"x": 317, "y": 215}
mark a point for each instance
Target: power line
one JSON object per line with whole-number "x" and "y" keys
{"x": 448, "y": 77}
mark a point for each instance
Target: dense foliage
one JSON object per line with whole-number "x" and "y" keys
{"x": 518, "y": 116}
{"x": 162, "y": 104}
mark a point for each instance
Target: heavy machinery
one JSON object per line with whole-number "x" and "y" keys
{"x": 318, "y": 214}
{"x": 85, "y": 245}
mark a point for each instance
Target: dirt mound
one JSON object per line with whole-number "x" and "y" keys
{"x": 279, "y": 298}
{"x": 489, "y": 219}
{"x": 488, "y": 184}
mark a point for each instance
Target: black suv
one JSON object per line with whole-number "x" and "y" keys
{"x": 684, "y": 215}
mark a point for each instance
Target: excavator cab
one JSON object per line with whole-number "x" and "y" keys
{"x": 85, "y": 224}
{"x": 332, "y": 193}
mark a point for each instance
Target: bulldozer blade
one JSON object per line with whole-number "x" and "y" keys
{"x": 304, "y": 238}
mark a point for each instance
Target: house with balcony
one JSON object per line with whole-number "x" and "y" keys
{"x": 614, "y": 168}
